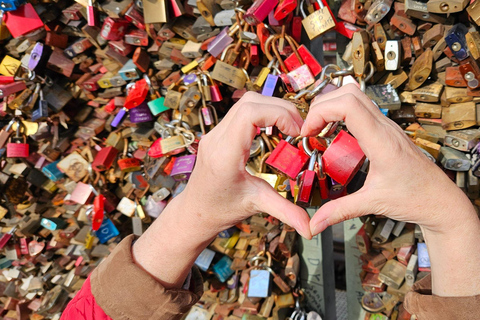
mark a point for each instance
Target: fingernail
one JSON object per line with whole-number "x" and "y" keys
{"x": 319, "y": 227}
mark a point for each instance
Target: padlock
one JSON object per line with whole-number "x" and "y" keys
{"x": 459, "y": 116}
{"x": 377, "y": 11}
{"x": 307, "y": 182}
{"x": 52, "y": 172}
{"x": 393, "y": 273}
{"x": 18, "y": 149}
{"x": 393, "y": 55}
{"x": 141, "y": 113}
{"x": 113, "y": 29}
{"x": 104, "y": 158}
{"x": 129, "y": 71}
{"x": 343, "y": 158}
{"x": 22, "y": 21}
{"x": 470, "y": 71}
{"x": 454, "y": 160}
{"x": 421, "y": 69}
{"x": 74, "y": 166}
{"x": 222, "y": 269}
{"x": 463, "y": 140}
{"x": 284, "y": 8}
{"x": 455, "y": 39}
{"x": 319, "y": 22}
{"x": 437, "y": 6}
{"x": 183, "y": 167}
{"x": 258, "y": 11}
{"x": 287, "y": 158}
{"x": 361, "y": 52}
{"x": 189, "y": 100}
{"x": 39, "y": 57}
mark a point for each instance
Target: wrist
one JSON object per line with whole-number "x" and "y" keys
{"x": 170, "y": 246}
{"x": 454, "y": 254}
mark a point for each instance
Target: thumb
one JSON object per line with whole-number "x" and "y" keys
{"x": 335, "y": 211}
{"x": 269, "y": 201}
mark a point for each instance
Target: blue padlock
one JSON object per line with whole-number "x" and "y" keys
{"x": 53, "y": 223}
{"x": 52, "y": 172}
{"x": 259, "y": 284}
{"x": 205, "y": 259}
{"x": 423, "y": 257}
{"x": 106, "y": 231}
{"x": 222, "y": 269}
{"x": 456, "y": 41}
{"x": 129, "y": 71}
{"x": 10, "y": 5}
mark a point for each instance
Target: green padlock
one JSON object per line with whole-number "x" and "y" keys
{"x": 157, "y": 106}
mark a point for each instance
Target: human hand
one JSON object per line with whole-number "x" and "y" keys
{"x": 220, "y": 190}
{"x": 402, "y": 183}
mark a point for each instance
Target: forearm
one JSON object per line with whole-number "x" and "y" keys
{"x": 454, "y": 252}
{"x": 168, "y": 249}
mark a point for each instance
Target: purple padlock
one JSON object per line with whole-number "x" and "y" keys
{"x": 39, "y": 57}
{"x": 336, "y": 191}
{"x": 221, "y": 41}
{"x": 118, "y": 118}
{"x": 270, "y": 85}
{"x": 190, "y": 78}
{"x": 141, "y": 113}
{"x": 183, "y": 167}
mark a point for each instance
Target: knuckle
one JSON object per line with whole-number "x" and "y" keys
{"x": 351, "y": 100}
{"x": 351, "y": 87}
{"x": 250, "y": 96}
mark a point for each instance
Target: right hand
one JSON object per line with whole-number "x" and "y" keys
{"x": 402, "y": 183}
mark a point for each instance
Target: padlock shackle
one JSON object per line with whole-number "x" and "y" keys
{"x": 267, "y": 47}
{"x": 263, "y": 166}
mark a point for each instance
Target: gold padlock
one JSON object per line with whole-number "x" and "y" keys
{"x": 318, "y": 22}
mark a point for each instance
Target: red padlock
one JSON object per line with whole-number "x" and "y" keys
{"x": 137, "y": 94}
{"x": 254, "y": 58}
{"x": 293, "y": 63}
{"x": 22, "y": 21}
{"x": 155, "y": 150}
{"x": 343, "y": 158}
{"x": 98, "y": 212}
{"x": 322, "y": 179}
{"x": 287, "y": 159}
{"x": 104, "y": 159}
{"x": 114, "y": 29}
{"x": 307, "y": 183}
{"x": 284, "y": 8}
{"x": 127, "y": 164}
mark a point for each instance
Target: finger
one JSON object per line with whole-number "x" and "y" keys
{"x": 335, "y": 211}
{"x": 363, "y": 125}
{"x": 269, "y": 201}
{"x": 256, "y": 100}
{"x": 348, "y": 89}
{"x": 244, "y": 127}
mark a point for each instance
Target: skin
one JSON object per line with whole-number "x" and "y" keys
{"x": 402, "y": 184}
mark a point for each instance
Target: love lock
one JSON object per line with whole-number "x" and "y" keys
{"x": 15, "y": 147}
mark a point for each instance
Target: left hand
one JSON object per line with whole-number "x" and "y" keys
{"x": 220, "y": 191}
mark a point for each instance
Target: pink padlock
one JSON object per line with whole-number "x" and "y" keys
{"x": 18, "y": 149}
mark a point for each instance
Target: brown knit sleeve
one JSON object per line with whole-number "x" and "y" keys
{"x": 425, "y": 306}
{"x": 125, "y": 291}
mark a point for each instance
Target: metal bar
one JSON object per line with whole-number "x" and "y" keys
{"x": 353, "y": 267}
